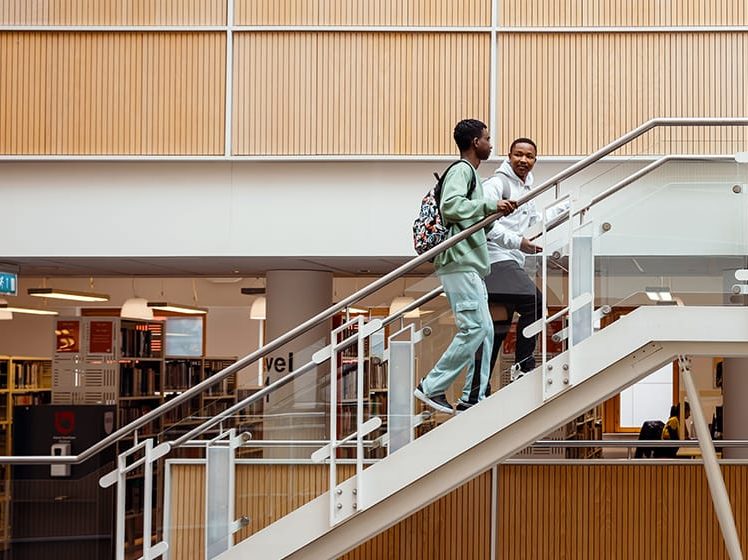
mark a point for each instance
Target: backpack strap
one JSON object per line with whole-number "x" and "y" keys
{"x": 440, "y": 181}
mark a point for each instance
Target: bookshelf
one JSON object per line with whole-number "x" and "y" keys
{"x": 223, "y": 394}
{"x": 112, "y": 361}
{"x": 181, "y": 373}
{"x": 375, "y": 394}
{"x": 23, "y": 381}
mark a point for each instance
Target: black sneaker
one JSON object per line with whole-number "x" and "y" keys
{"x": 437, "y": 402}
{"x": 462, "y": 406}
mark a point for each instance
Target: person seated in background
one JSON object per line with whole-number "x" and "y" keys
{"x": 656, "y": 430}
{"x": 650, "y": 430}
{"x": 670, "y": 431}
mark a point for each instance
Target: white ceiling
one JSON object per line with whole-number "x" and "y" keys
{"x": 217, "y": 267}
{"x": 196, "y": 267}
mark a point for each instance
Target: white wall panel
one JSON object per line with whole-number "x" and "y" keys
{"x": 321, "y": 209}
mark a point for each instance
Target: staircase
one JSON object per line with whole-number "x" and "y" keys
{"x": 595, "y": 366}
{"x": 498, "y": 427}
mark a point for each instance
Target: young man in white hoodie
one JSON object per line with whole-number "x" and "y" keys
{"x": 508, "y": 283}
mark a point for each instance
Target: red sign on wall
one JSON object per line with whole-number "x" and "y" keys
{"x": 68, "y": 335}
{"x": 101, "y": 337}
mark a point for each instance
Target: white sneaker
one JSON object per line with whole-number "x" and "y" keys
{"x": 515, "y": 372}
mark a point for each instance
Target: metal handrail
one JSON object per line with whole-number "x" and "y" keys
{"x": 366, "y": 291}
{"x": 555, "y": 443}
{"x": 628, "y": 443}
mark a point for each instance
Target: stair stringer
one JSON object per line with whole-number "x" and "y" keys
{"x": 503, "y": 424}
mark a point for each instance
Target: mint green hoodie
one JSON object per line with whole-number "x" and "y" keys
{"x": 471, "y": 254}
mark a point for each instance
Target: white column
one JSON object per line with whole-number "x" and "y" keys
{"x": 734, "y": 410}
{"x": 297, "y": 411}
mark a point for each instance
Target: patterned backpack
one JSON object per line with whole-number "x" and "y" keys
{"x": 429, "y": 228}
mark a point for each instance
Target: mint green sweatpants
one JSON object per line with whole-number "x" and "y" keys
{"x": 468, "y": 299}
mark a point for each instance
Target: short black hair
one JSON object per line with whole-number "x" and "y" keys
{"x": 466, "y": 131}
{"x": 523, "y": 141}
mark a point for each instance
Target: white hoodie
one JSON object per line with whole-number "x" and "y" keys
{"x": 506, "y": 234}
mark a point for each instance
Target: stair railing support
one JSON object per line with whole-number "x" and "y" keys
{"x": 720, "y": 499}
{"x": 118, "y": 476}
{"x": 401, "y": 361}
{"x": 220, "y": 483}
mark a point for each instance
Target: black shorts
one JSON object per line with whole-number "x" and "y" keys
{"x": 507, "y": 278}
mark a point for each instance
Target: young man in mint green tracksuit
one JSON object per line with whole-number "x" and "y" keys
{"x": 461, "y": 269}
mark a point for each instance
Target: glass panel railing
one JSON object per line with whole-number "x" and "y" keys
{"x": 287, "y": 455}
{"x": 673, "y": 237}
{"x": 62, "y": 507}
{"x": 682, "y": 229}
{"x": 71, "y": 515}
{"x": 283, "y": 414}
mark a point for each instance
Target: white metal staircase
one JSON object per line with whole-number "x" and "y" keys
{"x": 509, "y": 420}
{"x": 416, "y": 473}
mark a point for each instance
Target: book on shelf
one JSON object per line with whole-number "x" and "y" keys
{"x": 180, "y": 375}
{"x": 139, "y": 379}
{"x": 31, "y": 374}
{"x": 227, "y": 386}
{"x": 140, "y": 340}
{"x": 31, "y": 399}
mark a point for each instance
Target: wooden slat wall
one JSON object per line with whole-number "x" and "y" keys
{"x": 545, "y": 511}
{"x": 622, "y": 512}
{"x": 112, "y": 12}
{"x": 363, "y": 93}
{"x": 112, "y": 93}
{"x": 265, "y": 493}
{"x": 622, "y": 12}
{"x": 577, "y": 92}
{"x": 370, "y": 12}
{"x": 187, "y": 526}
{"x": 457, "y": 526}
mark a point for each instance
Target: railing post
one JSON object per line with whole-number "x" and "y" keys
{"x": 119, "y": 539}
{"x": 119, "y": 477}
{"x": 343, "y": 505}
{"x": 220, "y": 482}
{"x": 400, "y": 374}
{"x": 400, "y": 378}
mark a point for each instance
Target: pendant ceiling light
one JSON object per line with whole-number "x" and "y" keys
{"x": 4, "y": 307}
{"x": 136, "y": 308}
{"x": 69, "y": 295}
{"x": 176, "y": 308}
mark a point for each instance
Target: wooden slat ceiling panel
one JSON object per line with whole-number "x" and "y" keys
{"x": 362, "y": 93}
{"x": 112, "y": 12}
{"x": 112, "y": 93}
{"x": 371, "y": 12}
{"x": 574, "y": 93}
{"x": 623, "y": 13}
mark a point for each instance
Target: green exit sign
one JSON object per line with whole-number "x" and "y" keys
{"x": 8, "y": 283}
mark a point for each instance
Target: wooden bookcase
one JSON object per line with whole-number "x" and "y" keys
{"x": 181, "y": 373}
{"x": 111, "y": 360}
{"x": 375, "y": 389}
{"x": 23, "y": 381}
